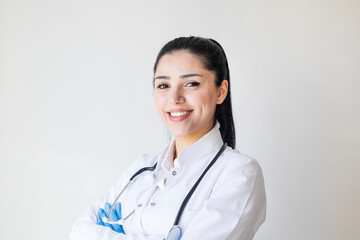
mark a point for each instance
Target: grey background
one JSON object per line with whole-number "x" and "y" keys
{"x": 76, "y": 105}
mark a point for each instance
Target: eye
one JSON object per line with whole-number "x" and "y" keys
{"x": 162, "y": 86}
{"x": 192, "y": 84}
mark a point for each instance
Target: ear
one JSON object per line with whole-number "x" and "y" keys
{"x": 222, "y": 91}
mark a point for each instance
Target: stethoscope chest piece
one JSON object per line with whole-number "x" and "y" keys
{"x": 175, "y": 233}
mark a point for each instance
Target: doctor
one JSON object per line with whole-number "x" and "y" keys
{"x": 192, "y": 97}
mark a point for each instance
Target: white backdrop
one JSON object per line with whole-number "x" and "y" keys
{"x": 76, "y": 105}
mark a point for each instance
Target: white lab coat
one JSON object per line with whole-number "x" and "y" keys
{"x": 229, "y": 203}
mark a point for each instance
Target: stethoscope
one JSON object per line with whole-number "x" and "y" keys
{"x": 175, "y": 232}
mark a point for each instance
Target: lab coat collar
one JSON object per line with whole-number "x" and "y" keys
{"x": 207, "y": 144}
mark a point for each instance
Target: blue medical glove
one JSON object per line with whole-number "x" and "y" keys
{"x": 115, "y": 216}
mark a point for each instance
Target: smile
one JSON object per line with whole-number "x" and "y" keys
{"x": 178, "y": 115}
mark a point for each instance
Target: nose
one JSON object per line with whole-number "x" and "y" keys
{"x": 176, "y": 95}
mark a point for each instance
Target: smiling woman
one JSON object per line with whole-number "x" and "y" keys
{"x": 186, "y": 96}
{"x": 199, "y": 187}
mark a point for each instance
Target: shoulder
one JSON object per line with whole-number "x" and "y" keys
{"x": 236, "y": 166}
{"x": 232, "y": 158}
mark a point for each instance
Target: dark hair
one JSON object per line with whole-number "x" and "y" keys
{"x": 214, "y": 59}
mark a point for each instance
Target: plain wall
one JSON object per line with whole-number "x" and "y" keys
{"x": 76, "y": 105}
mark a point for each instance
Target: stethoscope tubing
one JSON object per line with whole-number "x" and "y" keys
{"x": 176, "y": 231}
{"x": 191, "y": 192}
{"x": 140, "y": 171}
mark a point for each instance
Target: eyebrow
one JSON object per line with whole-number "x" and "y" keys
{"x": 182, "y": 76}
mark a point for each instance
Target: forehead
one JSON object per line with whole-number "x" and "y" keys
{"x": 182, "y": 60}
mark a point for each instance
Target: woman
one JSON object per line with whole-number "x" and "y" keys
{"x": 192, "y": 97}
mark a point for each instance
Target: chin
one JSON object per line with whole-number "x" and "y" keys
{"x": 179, "y": 132}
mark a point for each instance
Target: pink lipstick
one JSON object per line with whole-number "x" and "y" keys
{"x": 178, "y": 115}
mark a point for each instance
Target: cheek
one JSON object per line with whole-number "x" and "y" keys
{"x": 208, "y": 101}
{"x": 159, "y": 102}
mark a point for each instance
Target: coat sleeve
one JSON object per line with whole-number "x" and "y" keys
{"x": 236, "y": 207}
{"x": 86, "y": 228}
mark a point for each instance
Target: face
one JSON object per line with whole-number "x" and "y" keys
{"x": 186, "y": 95}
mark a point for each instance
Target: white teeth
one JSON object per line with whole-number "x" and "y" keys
{"x": 178, "y": 114}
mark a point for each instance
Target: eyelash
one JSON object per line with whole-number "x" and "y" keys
{"x": 189, "y": 84}
{"x": 194, "y": 84}
{"x": 162, "y": 86}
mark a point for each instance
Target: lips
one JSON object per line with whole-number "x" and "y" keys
{"x": 178, "y": 115}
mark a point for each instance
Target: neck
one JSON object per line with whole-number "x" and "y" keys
{"x": 182, "y": 142}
